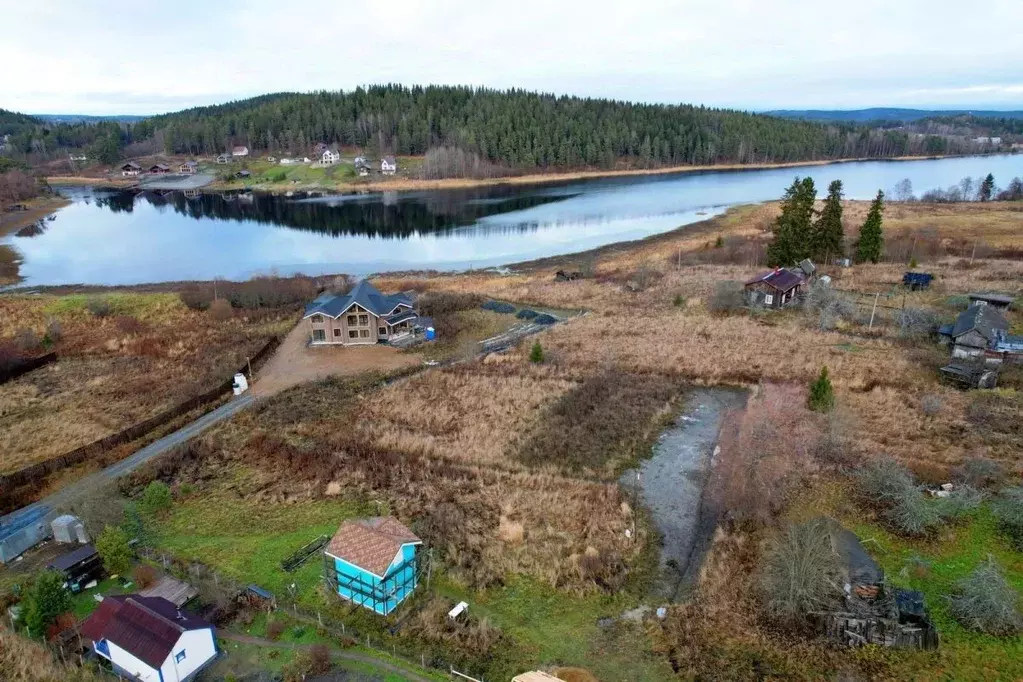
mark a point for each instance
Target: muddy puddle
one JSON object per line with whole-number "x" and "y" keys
{"x": 670, "y": 484}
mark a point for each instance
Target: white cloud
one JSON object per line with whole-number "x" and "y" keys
{"x": 106, "y": 57}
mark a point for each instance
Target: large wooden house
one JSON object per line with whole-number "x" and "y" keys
{"x": 362, "y": 316}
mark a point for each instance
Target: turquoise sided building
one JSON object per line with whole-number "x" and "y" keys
{"x": 372, "y": 562}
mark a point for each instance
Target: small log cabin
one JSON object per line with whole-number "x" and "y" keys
{"x": 774, "y": 289}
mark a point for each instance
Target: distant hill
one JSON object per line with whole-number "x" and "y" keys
{"x": 884, "y": 114}
{"x": 85, "y": 118}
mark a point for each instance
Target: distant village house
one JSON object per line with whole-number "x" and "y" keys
{"x": 239, "y": 151}
{"x": 130, "y": 169}
{"x": 188, "y": 167}
{"x": 330, "y": 157}
{"x": 158, "y": 169}
{"x": 362, "y": 316}
{"x": 223, "y": 158}
{"x": 388, "y": 166}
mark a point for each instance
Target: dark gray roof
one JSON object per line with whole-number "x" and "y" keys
{"x": 998, "y": 299}
{"x": 985, "y": 319}
{"x": 862, "y": 569}
{"x": 364, "y": 294}
{"x": 780, "y": 279}
{"x": 66, "y": 561}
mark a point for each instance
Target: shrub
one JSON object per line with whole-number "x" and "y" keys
{"x": 26, "y": 340}
{"x": 46, "y": 600}
{"x": 986, "y": 602}
{"x": 980, "y": 472}
{"x": 155, "y": 498}
{"x": 884, "y": 481}
{"x": 221, "y": 310}
{"x": 801, "y": 572}
{"x": 127, "y": 324}
{"x": 99, "y": 306}
{"x": 644, "y": 277}
{"x": 961, "y": 501}
{"x": 145, "y": 575}
{"x": 436, "y": 303}
{"x": 914, "y": 514}
{"x": 526, "y": 314}
{"x": 536, "y": 353}
{"x": 544, "y": 318}
{"x": 1007, "y": 508}
{"x": 498, "y": 307}
{"x": 916, "y": 322}
{"x": 679, "y": 301}
{"x": 112, "y": 546}
{"x": 274, "y": 629}
{"x": 54, "y": 332}
{"x": 719, "y": 243}
{"x": 195, "y": 297}
{"x": 10, "y": 356}
{"x": 728, "y": 297}
{"x": 822, "y": 395}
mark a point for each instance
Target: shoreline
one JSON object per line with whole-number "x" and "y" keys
{"x": 38, "y": 209}
{"x": 415, "y": 184}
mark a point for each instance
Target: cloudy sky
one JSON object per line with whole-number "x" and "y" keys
{"x": 105, "y": 57}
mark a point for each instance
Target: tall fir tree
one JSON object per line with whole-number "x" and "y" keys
{"x": 828, "y": 238}
{"x": 793, "y": 229}
{"x": 987, "y": 188}
{"x": 871, "y": 241}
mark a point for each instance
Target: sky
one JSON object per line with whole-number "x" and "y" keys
{"x": 105, "y": 57}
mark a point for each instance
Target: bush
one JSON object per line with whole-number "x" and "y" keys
{"x": 436, "y": 303}
{"x": 961, "y": 501}
{"x": 728, "y": 297}
{"x": 10, "y": 356}
{"x": 884, "y": 481}
{"x": 274, "y": 629}
{"x": 679, "y": 301}
{"x": 145, "y": 575}
{"x": 801, "y": 572}
{"x": 46, "y": 600}
{"x": 112, "y": 546}
{"x": 127, "y": 324}
{"x": 221, "y": 310}
{"x": 526, "y": 314}
{"x": 986, "y": 602}
{"x": 26, "y": 340}
{"x": 536, "y": 353}
{"x": 822, "y": 395}
{"x": 1007, "y": 508}
{"x": 498, "y": 307}
{"x": 99, "y": 306}
{"x": 914, "y": 513}
{"x": 544, "y": 318}
{"x": 54, "y": 332}
{"x": 195, "y": 297}
{"x": 916, "y": 322}
{"x": 980, "y": 472}
{"x": 155, "y": 498}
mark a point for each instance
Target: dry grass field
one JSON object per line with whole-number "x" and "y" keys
{"x": 143, "y": 354}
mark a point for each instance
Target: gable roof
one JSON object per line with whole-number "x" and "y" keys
{"x": 131, "y": 164}
{"x": 371, "y": 544}
{"x": 146, "y": 627}
{"x": 389, "y": 160}
{"x": 779, "y": 279}
{"x": 364, "y": 294}
{"x": 983, "y": 318}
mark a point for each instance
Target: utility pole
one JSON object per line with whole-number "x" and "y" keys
{"x": 974, "y": 254}
{"x": 872, "y": 311}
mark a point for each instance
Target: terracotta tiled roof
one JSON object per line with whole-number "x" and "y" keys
{"x": 146, "y": 627}
{"x": 370, "y": 544}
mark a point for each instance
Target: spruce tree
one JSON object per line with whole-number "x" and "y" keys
{"x": 793, "y": 228}
{"x": 828, "y": 235}
{"x": 822, "y": 395}
{"x": 536, "y": 353}
{"x": 47, "y": 600}
{"x": 871, "y": 241}
{"x": 987, "y": 188}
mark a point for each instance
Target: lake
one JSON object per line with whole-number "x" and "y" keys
{"x": 120, "y": 238}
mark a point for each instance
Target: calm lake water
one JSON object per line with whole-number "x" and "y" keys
{"x": 118, "y": 238}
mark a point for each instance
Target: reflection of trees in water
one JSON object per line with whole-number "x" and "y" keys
{"x": 400, "y": 217}
{"x": 33, "y": 230}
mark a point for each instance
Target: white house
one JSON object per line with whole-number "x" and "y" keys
{"x": 130, "y": 169}
{"x": 240, "y": 151}
{"x": 149, "y": 639}
{"x": 330, "y": 157}
{"x": 223, "y": 158}
{"x": 388, "y": 165}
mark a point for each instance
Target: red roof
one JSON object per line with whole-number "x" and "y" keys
{"x": 371, "y": 544}
{"x": 779, "y": 279}
{"x": 146, "y": 627}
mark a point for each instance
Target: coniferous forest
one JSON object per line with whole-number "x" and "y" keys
{"x": 513, "y": 129}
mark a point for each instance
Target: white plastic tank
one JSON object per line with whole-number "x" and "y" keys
{"x": 64, "y": 528}
{"x": 241, "y": 384}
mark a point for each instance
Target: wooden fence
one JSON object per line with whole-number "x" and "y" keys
{"x": 25, "y": 367}
{"x": 133, "y": 432}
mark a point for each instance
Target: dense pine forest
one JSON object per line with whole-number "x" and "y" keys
{"x": 512, "y": 129}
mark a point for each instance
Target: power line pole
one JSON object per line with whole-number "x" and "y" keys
{"x": 872, "y": 311}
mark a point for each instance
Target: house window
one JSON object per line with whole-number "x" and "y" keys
{"x": 382, "y": 331}
{"x": 337, "y": 332}
{"x": 180, "y": 656}
{"x": 353, "y": 334}
{"x": 363, "y": 320}
{"x": 352, "y": 320}
{"x": 768, "y": 299}
{"x": 319, "y": 335}
{"x": 363, "y": 333}
{"x": 317, "y": 319}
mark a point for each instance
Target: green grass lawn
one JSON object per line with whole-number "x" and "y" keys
{"x": 557, "y": 628}
{"x": 943, "y": 561}
{"x": 84, "y": 603}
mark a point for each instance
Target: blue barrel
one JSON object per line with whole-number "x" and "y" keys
{"x": 430, "y": 334}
